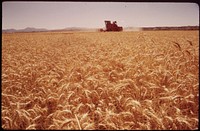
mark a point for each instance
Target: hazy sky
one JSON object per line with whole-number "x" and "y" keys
{"x": 58, "y": 15}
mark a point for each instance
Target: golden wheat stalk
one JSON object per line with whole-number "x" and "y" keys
{"x": 78, "y": 122}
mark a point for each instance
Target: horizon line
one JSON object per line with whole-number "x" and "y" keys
{"x": 98, "y": 27}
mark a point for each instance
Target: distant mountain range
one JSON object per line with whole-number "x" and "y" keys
{"x": 31, "y": 29}
{"x": 172, "y": 28}
{"x": 28, "y": 29}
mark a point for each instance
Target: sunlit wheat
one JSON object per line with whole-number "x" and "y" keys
{"x": 100, "y": 80}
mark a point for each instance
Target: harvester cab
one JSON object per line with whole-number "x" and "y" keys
{"x": 112, "y": 26}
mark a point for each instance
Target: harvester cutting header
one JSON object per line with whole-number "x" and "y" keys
{"x": 112, "y": 26}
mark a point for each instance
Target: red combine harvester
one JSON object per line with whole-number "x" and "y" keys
{"x": 112, "y": 26}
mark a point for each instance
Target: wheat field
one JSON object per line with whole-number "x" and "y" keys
{"x": 100, "y": 80}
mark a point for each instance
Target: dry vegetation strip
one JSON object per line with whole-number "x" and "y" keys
{"x": 117, "y": 80}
